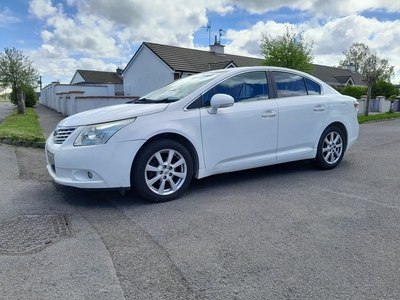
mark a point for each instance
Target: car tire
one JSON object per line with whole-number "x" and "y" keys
{"x": 162, "y": 171}
{"x": 331, "y": 148}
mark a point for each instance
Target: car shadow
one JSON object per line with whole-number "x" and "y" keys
{"x": 106, "y": 198}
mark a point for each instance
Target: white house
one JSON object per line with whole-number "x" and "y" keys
{"x": 89, "y": 77}
{"x": 154, "y": 65}
{"x": 5, "y": 93}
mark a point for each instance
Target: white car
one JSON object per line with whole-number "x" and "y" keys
{"x": 205, "y": 124}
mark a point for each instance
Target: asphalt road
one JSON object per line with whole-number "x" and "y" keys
{"x": 281, "y": 232}
{"x": 5, "y": 109}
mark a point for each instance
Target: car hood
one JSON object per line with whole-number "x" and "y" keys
{"x": 112, "y": 113}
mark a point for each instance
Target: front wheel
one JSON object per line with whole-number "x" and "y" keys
{"x": 162, "y": 171}
{"x": 331, "y": 148}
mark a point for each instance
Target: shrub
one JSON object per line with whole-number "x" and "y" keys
{"x": 353, "y": 91}
{"x": 30, "y": 96}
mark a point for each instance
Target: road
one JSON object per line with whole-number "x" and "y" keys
{"x": 281, "y": 232}
{"x": 5, "y": 109}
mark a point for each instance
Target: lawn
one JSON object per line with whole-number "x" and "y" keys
{"x": 24, "y": 128}
{"x": 378, "y": 117}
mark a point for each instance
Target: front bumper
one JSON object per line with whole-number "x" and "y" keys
{"x": 106, "y": 166}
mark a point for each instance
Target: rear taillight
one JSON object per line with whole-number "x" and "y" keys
{"x": 356, "y": 106}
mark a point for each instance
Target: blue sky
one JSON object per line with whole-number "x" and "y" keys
{"x": 63, "y": 36}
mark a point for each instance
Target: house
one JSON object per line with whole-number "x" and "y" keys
{"x": 337, "y": 77}
{"x": 155, "y": 65}
{"x": 88, "y": 77}
{"x": 5, "y": 93}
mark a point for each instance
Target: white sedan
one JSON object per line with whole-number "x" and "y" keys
{"x": 205, "y": 124}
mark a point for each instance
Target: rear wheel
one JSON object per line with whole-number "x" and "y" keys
{"x": 162, "y": 171}
{"x": 331, "y": 148}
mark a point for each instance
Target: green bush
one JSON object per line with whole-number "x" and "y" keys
{"x": 353, "y": 91}
{"x": 30, "y": 96}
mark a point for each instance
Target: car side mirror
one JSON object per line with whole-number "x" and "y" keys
{"x": 220, "y": 101}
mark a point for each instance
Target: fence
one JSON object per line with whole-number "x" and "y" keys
{"x": 380, "y": 104}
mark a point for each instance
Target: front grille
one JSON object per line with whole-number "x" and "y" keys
{"x": 61, "y": 134}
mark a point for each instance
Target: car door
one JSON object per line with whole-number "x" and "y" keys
{"x": 245, "y": 134}
{"x": 302, "y": 112}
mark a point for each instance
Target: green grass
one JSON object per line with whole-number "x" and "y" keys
{"x": 23, "y": 128}
{"x": 378, "y": 117}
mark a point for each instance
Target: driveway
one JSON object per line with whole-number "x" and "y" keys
{"x": 281, "y": 232}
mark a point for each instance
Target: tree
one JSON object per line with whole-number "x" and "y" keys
{"x": 355, "y": 56}
{"x": 373, "y": 70}
{"x": 288, "y": 51}
{"x": 16, "y": 71}
{"x": 392, "y": 98}
{"x": 369, "y": 65}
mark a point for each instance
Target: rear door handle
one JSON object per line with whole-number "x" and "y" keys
{"x": 319, "y": 107}
{"x": 269, "y": 114}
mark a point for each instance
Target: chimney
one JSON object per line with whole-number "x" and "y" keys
{"x": 119, "y": 71}
{"x": 351, "y": 67}
{"x": 217, "y": 48}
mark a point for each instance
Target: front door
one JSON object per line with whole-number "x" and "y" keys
{"x": 245, "y": 134}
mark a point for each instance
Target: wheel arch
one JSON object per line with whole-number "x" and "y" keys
{"x": 343, "y": 128}
{"x": 178, "y": 138}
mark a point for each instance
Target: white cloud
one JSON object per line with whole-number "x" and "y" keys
{"x": 42, "y": 8}
{"x": 55, "y": 62}
{"x": 247, "y": 42}
{"x": 333, "y": 8}
{"x": 7, "y": 18}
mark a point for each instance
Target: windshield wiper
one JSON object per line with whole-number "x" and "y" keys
{"x": 144, "y": 100}
{"x": 166, "y": 100}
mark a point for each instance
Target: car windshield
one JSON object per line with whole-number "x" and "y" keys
{"x": 179, "y": 89}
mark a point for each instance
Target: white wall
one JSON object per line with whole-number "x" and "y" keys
{"x": 145, "y": 73}
{"x": 50, "y": 93}
{"x": 384, "y": 105}
{"x": 70, "y": 103}
{"x": 84, "y": 103}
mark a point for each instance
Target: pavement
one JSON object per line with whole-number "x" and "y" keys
{"x": 48, "y": 120}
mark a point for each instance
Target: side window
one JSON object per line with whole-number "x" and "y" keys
{"x": 313, "y": 88}
{"x": 244, "y": 87}
{"x": 289, "y": 85}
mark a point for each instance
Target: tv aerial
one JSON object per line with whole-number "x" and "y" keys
{"x": 208, "y": 28}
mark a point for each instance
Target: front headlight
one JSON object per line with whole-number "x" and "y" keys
{"x": 100, "y": 133}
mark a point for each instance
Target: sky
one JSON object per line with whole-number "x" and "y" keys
{"x": 62, "y": 36}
